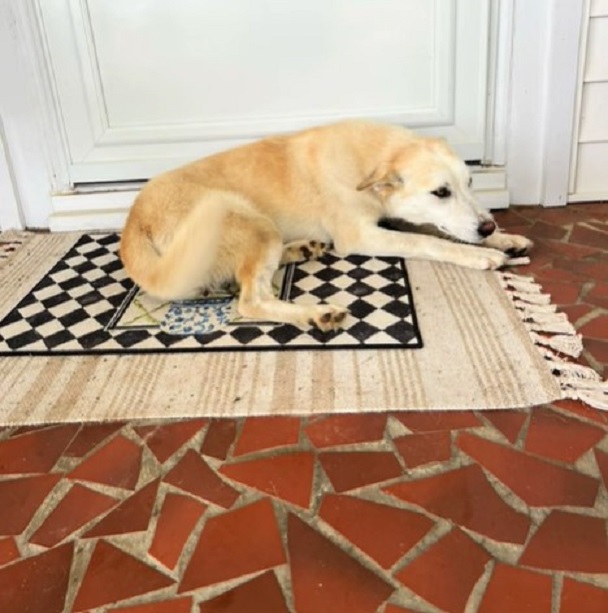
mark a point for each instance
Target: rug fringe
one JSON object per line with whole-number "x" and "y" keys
{"x": 555, "y": 337}
{"x": 10, "y": 242}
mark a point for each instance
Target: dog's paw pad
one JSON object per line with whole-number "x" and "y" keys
{"x": 329, "y": 318}
{"x": 520, "y": 248}
{"x": 300, "y": 251}
{"x": 313, "y": 250}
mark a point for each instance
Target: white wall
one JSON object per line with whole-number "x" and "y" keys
{"x": 589, "y": 178}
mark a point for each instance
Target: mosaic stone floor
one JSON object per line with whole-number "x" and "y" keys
{"x": 486, "y": 511}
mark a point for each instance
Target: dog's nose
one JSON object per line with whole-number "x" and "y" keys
{"x": 486, "y": 227}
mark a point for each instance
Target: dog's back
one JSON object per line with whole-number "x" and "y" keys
{"x": 287, "y": 179}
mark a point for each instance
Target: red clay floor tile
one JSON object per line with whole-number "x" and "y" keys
{"x": 21, "y": 498}
{"x": 165, "y": 440}
{"x": 346, "y": 429}
{"x": 446, "y": 573}
{"x": 173, "y": 605}
{"x": 431, "y": 421}
{"x": 424, "y": 448}
{"x": 353, "y": 469}
{"x": 508, "y": 422}
{"x": 598, "y": 296}
{"x": 8, "y": 550}
{"x": 598, "y": 349}
{"x": 517, "y": 589}
{"x": 555, "y": 436}
{"x": 597, "y": 328}
{"x": 337, "y": 553}
{"x": 579, "y": 409}
{"x": 91, "y": 435}
{"x": 601, "y": 457}
{"x": 131, "y": 515}
{"x": 113, "y": 575}
{"x": 78, "y": 507}
{"x": 260, "y": 595}
{"x": 288, "y": 476}
{"x": 38, "y": 583}
{"x": 567, "y": 250}
{"x": 465, "y": 496}
{"x": 582, "y": 235}
{"x": 117, "y": 463}
{"x": 192, "y": 474}
{"x": 35, "y": 452}
{"x": 556, "y": 274}
{"x": 178, "y": 517}
{"x": 395, "y": 531}
{"x": 541, "y": 229}
{"x": 219, "y": 438}
{"x": 586, "y": 269}
{"x": 325, "y": 578}
{"x": 569, "y": 542}
{"x": 234, "y": 544}
{"x": 535, "y": 481}
{"x": 575, "y": 593}
{"x": 262, "y": 433}
{"x": 576, "y": 311}
{"x": 562, "y": 293}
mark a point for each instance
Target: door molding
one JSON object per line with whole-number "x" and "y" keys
{"x": 10, "y": 209}
{"x": 545, "y": 65}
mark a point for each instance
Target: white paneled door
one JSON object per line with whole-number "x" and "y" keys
{"x": 145, "y": 85}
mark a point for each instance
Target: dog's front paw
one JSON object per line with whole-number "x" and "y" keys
{"x": 486, "y": 259}
{"x": 328, "y": 317}
{"x": 513, "y": 245}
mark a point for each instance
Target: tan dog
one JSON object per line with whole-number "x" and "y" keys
{"x": 241, "y": 214}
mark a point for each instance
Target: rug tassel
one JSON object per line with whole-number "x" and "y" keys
{"x": 525, "y": 287}
{"x": 570, "y": 345}
{"x": 556, "y": 323}
{"x": 551, "y": 327}
{"x": 579, "y": 382}
{"x": 520, "y": 278}
{"x": 597, "y": 400}
{"x": 541, "y": 299}
{"x": 529, "y": 309}
{"x": 576, "y": 382}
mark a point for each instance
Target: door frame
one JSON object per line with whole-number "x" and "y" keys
{"x": 10, "y": 208}
{"x": 547, "y": 37}
{"x": 520, "y": 134}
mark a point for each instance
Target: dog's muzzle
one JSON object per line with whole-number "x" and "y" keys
{"x": 485, "y": 228}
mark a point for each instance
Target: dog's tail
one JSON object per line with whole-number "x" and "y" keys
{"x": 185, "y": 263}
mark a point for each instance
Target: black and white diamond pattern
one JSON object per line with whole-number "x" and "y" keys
{"x": 76, "y": 308}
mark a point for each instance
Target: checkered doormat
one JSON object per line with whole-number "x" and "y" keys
{"x": 86, "y": 304}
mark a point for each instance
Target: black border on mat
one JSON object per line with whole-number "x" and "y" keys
{"x": 419, "y": 344}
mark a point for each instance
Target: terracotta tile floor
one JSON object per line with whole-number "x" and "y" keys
{"x": 489, "y": 511}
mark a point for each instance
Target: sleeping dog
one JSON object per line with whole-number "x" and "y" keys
{"x": 241, "y": 214}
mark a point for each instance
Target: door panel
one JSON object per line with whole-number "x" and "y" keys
{"x": 145, "y": 85}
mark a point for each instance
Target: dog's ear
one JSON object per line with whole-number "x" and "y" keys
{"x": 384, "y": 177}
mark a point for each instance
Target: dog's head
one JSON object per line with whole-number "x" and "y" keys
{"x": 425, "y": 182}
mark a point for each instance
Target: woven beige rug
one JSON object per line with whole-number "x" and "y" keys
{"x": 478, "y": 354}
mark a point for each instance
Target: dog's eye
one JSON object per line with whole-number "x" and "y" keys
{"x": 442, "y": 192}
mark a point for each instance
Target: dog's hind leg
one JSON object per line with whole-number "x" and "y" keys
{"x": 262, "y": 255}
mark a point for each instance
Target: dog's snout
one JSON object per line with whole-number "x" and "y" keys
{"x": 486, "y": 227}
